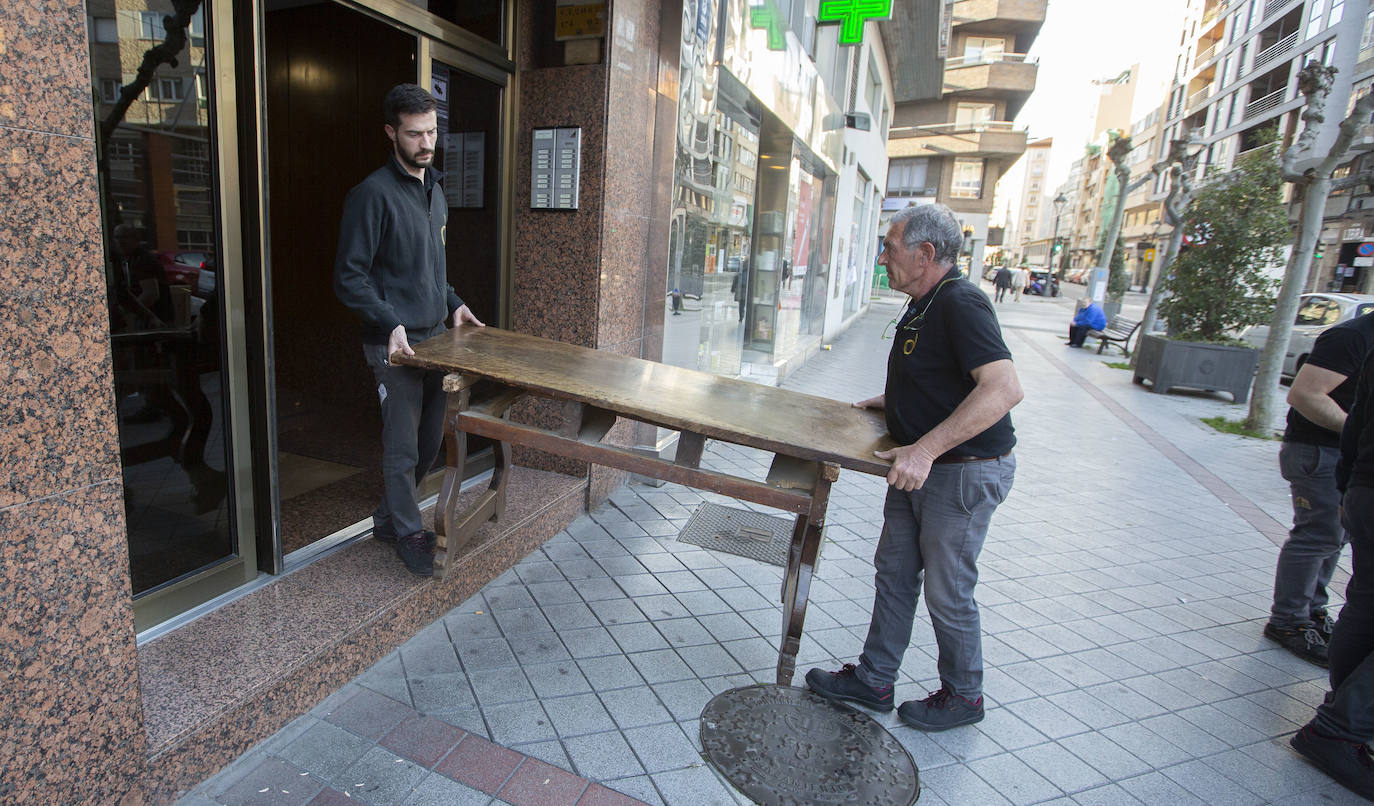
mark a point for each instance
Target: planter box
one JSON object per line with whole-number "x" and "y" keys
{"x": 1169, "y": 364}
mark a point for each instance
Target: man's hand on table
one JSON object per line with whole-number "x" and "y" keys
{"x": 871, "y": 403}
{"x": 910, "y": 466}
{"x": 397, "y": 343}
{"x": 461, "y": 315}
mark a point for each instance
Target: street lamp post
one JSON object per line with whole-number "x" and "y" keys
{"x": 1058, "y": 202}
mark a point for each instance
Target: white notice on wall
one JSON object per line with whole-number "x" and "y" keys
{"x": 453, "y": 173}
{"x": 474, "y": 159}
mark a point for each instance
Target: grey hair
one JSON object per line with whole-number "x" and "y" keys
{"x": 934, "y": 224}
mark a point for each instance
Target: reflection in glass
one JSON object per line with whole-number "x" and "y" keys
{"x": 150, "y": 73}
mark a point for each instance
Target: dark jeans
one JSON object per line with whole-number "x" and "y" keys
{"x": 1309, "y": 555}
{"x": 1078, "y": 334}
{"x": 412, "y": 431}
{"x": 930, "y": 543}
{"x": 1002, "y": 292}
{"x": 1348, "y": 712}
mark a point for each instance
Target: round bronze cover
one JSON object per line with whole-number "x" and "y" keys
{"x": 786, "y": 745}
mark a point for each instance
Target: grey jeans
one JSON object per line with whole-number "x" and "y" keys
{"x": 412, "y": 431}
{"x": 931, "y": 538}
{"x": 1309, "y": 555}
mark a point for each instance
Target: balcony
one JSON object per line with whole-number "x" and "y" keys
{"x": 1275, "y": 50}
{"x": 999, "y": 16}
{"x": 1263, "y": 104}
{"x": 991, "y": 73}
{"x": 1207, "y": 54}
{"x": 1197, "y": 99}
{"x": 994, "y": 138}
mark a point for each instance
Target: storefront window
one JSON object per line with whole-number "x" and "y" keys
{"x": 155, "y": 135}
{"x": 481, "y": 17}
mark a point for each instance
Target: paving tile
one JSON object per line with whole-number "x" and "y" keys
{"x": 368, "y": 714}
{"x": 480, "y": 764}
{"x": 1209, "y": 785}
{"x": 578, "y": 714}
{"x": 325, "y": 750}
{"x": 602, "y": 756}
{"x": 1109, "y": 795}
{"x": 437, "y": 790}
{"x": 485, "y": 653}
{"x": 693, "y": 786}
{"x": 538, "y": 647}
{"x": 684, "y": 699}
{"x": 639, "y": 637}
{"x": 1061, "y": 767}
{"x": 1105, "y": 755}
{"x": 635, "y": 707}
{"x": 1013, "y": 779}
{"x": 598, "y": 795}
{"x": 535, "y": 783}
{"x": 423, "y": 740}
{"x": 617, "y": 611}
{"x": 329, "y": 796}
{"x": 660, "y": 666}
{"x": 380, "y": 777}
{"x": 441, "y": 692}
{"x": 272, "y": 782}
{"x": 662, "y": 747}
{"x": 957, "y": 783}
{"x": 518, "y": 723}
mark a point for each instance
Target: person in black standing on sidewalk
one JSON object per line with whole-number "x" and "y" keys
{"x": 1319, "y": 398}
{"x": 390, "y": 270}
{"x": 1336, "y": 738}
{"x": 1002, "y": 281}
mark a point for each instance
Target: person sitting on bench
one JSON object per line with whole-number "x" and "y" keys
{"x": 1088, "y": 316}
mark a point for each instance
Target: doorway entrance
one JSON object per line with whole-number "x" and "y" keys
{"x": 324, "y": 136}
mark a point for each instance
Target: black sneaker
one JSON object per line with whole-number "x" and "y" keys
{"x": 1324, "y": 625}
{"x": 1348, "y": 763}
{"x": 416, "y": 554}
{"x": 1305, "y": 642}
{"x": 941, "y": 710}
{"x": 845, "y": 685}
{"x": 431, "y": 539}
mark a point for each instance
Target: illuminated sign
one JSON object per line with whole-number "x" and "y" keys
{"x": 851, "y": 15}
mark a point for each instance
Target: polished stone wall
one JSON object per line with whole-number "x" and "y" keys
{"x": 70, "y": 727}
{"x": 596, "y": 276}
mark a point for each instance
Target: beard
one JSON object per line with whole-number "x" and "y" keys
{"x": 417, "y": 160}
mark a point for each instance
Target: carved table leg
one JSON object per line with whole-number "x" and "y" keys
{"x": 459, "y": 391}
{"x": 801, "y": 563}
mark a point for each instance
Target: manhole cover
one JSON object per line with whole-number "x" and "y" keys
{"x": 785, "y": 745}
{"x": 739, "y": 531}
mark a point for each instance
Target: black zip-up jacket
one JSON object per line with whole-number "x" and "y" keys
{"x": 390, "y": 267}
{"x": 1356, "y": 466}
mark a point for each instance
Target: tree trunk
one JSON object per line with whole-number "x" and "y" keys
{"x": 1264, "y": 398}
{"x": 1147, "y": 322}
{"x": 1114, "y": 228}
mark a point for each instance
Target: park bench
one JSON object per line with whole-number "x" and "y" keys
{"x": 1118, "y": 333}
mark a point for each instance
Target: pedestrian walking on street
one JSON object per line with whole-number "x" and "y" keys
{"x": 949, "y": 392}
{"x": 1002, "y": 281}
{"x": 390, "y": 269}
{"x": 1319, "y": 398}
{"x": 1336, "y": 739}
{"x": 1019, "y": 279}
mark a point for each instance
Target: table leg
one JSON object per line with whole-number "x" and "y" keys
{"x": 491, "y": 504}
{"x": 801, "y": 563}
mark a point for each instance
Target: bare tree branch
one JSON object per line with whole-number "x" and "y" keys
{"x": 164, "y": 53}
{"x": 1314, "y": 82}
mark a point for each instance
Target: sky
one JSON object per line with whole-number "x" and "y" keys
{"x": 1084, "y": 40}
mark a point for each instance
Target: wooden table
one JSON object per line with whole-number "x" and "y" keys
{"x": 810, "y": 437}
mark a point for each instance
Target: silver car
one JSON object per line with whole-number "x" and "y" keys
{"x": 1316, "y": 312}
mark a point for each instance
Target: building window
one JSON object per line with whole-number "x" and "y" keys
{"x": 967, "y": 116}
{"x": 109, "y": 90}
{"x": 907, "y": 177}
{"x": 1314, "y": 18}
{"x": 168, "y": 89}
{"x": 196, "y": 29}
{"x": 984, "y": 49}
{"x": 104, "y": 29}
{"x": 967, "y": 182}
{"x": 150, "y": 25}
{"x": 1337, "y": 8}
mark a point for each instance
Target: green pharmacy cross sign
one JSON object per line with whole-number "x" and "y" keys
{"x": 766, "y": 15}
{"x": 851, "y": 16}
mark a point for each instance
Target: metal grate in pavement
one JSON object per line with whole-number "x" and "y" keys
{"x": 739, "y": 531}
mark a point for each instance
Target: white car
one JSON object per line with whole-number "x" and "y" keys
{"x": 1316, "y": 312}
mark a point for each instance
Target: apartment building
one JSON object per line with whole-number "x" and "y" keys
{"x": 957, "y": 89}
{"x": 1143, "y": 221}
{"x": 1236, "y": 76}
{"x": 1034, "y": 214}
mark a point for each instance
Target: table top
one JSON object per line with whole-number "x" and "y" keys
{"x": 751, "y": 414}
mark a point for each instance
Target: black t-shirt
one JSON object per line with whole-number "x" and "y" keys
{"x": 940, "y": 339}
{"x": 1356, "y": 467}
{"x": 1342, "y": 349}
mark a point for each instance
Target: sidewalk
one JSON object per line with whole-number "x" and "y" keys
{"x": 1124, "y": 585}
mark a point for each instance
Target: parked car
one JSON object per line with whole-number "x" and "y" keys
{"x": 1316, "y": 312}
{"x": 1037, "y": 279}
{"x": 192, "y": 267}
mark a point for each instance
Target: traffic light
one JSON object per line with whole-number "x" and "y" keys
{"x": 1058, "y": 247}
{"x": 1317, "y": 253}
